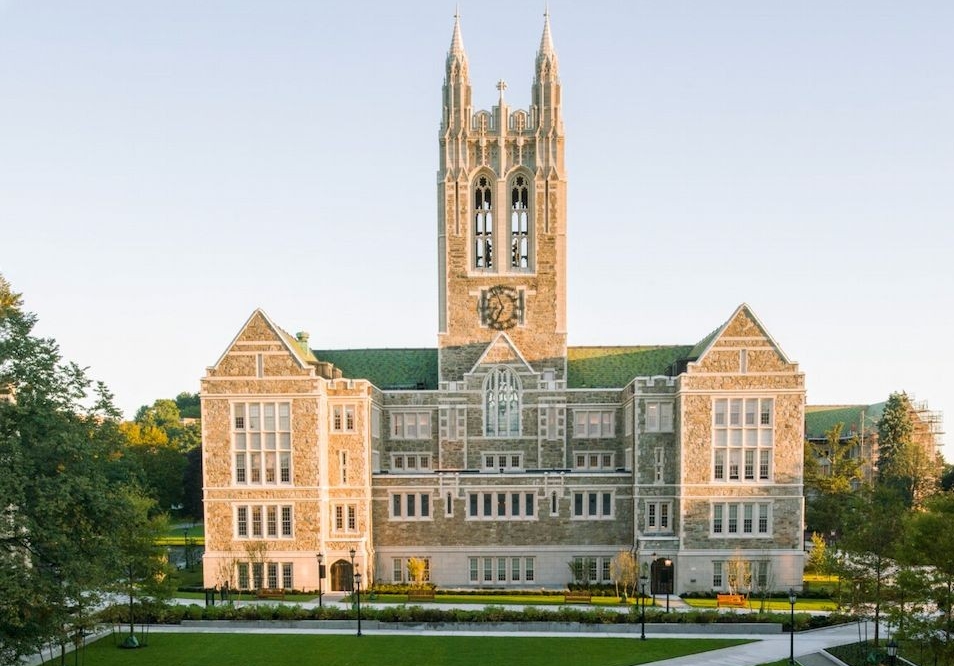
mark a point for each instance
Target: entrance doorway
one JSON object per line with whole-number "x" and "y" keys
{"x": 341, "y": 576}
{"x": 662, "y": 576}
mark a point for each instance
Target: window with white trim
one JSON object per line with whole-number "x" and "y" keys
{"x": 593, "y": 460}
{"x": 658, "y": 516}
{"x": 504, "y": 461}
{"x": 411, "y": 425}
{"x": 261, "y": 437}
{"x": 344, "y": 518}
{"x": 400, "y": 573}
{"x": 502, "y": 403}
{"x": 501, "y": 505}
{"x": 589, "y": 569}
{"x": 734, "y": 519}
{"x": 594, "y": 423}
{"x": 453, "y": 422}
{"x": 410, "y": 462}
{"x": 342, "y": 418}
{"x": 742, "y": 439}
{"x": 717, "y": 579}
{"x": 410, "y": 506}
{"x": 263, "y": 521}
{"x": 343, "y": 466}
{"x": 595, "y": 504}
{"x": 552, "y": 421}
{"x": 501, "y": 569}
{"x": 658, "y": 416}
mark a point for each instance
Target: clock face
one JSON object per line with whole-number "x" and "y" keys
{"x": 501, "y": 307}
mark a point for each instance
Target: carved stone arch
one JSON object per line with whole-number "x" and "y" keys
{"x": 519, "y": 121}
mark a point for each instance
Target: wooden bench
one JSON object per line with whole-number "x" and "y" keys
{"x": 577, "y": 597}
{"x": 422, "y": 594}
{"x": 737, "y": 600}
{"x": 269, "y": 593}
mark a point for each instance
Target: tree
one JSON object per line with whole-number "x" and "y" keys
{"x": 873, "y": 530}
{"x": 832, "y": 472}
{"x": 416, "y": 569}
{"x": 929, "y": 547}
{"x": 818, "y": 554}
{"x": 909, "y": 466}
{"x": 63, "y": 482}
{"x": 159, "y": 467}
{"x": 625, "y": 572}
{"x": 145, "y": 567}
{"x": 738, "y": 574}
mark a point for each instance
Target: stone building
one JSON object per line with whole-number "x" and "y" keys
{"x": 502, "y": 456}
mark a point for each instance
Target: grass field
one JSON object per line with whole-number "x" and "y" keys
{"x": 349, "y": 650}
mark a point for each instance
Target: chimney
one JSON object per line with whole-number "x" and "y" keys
{"x": 302, "y": 337}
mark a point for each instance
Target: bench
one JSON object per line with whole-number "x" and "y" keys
{"x": 577, "y": 597}
{"x": 422, "y": 594}
{"x": 737, "y": 600}
{"x": 269, "y": 593}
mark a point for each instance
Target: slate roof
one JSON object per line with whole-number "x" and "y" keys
{"x": 819, "y": 419}
{"x": 615, "y": 367}
{"x": 589, "y": 367}
{"x": 386, "y": 368}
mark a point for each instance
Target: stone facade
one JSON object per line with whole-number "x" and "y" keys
{"x": 515, "y": 455}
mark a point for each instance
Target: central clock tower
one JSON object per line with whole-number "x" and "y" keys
{"x": 501, "y": 220}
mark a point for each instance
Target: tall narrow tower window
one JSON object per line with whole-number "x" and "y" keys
{"x": 483, "y": 224}
{"x": 502, "y": 403}
{"x": 519, "y": 223}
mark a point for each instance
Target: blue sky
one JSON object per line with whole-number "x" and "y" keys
{"x": 165, "y": 168}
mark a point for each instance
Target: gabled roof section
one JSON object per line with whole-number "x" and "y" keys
{"x": 820, "y": 419}
{"x": 387, "y": 369}
{"x": 742, "y": 319}
{"x": 615, "y": 367}
{"x": 501, "y": 350}
{"x": 259, "y": 320}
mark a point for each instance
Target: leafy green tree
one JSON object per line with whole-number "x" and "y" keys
{"x": 929, "y": 547}
{"x": 188, "y": 404}
{"x": 818, "y": 554}
{"x": 832, "y": 473}
{"x": 192, "y": 484}
{"x": 909, "y": 466}
{"x": 873, "y": 531}
{"x": 63, "y": 484}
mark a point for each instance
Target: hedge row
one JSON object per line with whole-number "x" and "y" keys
{"x": 155, "y": 612}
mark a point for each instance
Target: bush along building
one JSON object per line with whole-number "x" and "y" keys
{"x": 503, "y": 458}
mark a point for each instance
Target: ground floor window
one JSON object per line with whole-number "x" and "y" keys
{"x": 501, "y": 569}
{"x": 589, "y": 569}
{"x": 259, "y": 575}
{"x": 401, "y": 571}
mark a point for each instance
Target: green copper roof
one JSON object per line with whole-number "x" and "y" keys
{"x": 820, "y": 419}
{"x": 615, "y": 367}
{"x": 587, "y": 367}
{"x": 386, "y": 368}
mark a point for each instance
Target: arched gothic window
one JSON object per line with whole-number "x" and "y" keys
{"x": 502, "y": 403}
{"x": 519, "y": 223}
{"x": 483, "y": 223}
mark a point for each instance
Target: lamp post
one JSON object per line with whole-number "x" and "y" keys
{"x": 352, "y": 553}
{"x": 893, "y": 651}
{"x": 357, "y": 602}
{"x": 321, "y": 574}
{"x": 642, "y": 597}
{"x": 668, "y": 565}
{"x": 792, "y": 597}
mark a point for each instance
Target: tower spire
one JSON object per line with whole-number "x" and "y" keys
{"x": 457, "y": 42}
{"x": 546, "y": 42}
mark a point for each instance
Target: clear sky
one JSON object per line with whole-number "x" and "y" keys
{"x": 167, "y": 167}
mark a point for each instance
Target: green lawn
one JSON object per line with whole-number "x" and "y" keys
{"x": 774, "y": 604}
{"x": 349, "y": 650}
